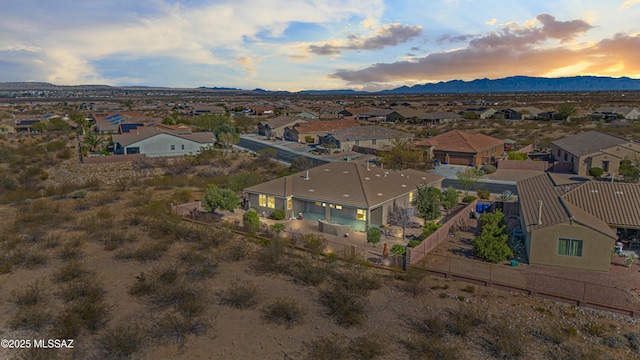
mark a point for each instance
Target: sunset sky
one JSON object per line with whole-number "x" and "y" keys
{"x": 322, "y": 44}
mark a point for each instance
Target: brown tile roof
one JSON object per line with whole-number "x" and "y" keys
{"x": 459, "y": 141}
{"x": 588, "y": 142}
{"x": 322, "y": 126}
{"x": 281, "y": 121}
{"x": 618, "y": 204}
{"x": 558, "y": 206}
{"x": 348, "y": 184}
{"x": 143, "y": 133}
{"x": 369, "y": 132}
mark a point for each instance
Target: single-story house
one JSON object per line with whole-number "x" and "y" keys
{"x": 156, "y": 142}
{"x": 274, "y": 127}
{"x": 24, "y": 125}
{"x": 576, "y": 224}
{"x": 481, "y": 112}
{"x": 345, "y": 193}
{"x": 381, "y": 115}
{"x": 460, "y": 148}
{"x": 579, "y": 153}
{"x": 613, "y": 113}
{"x": 364, "y": 136}
{"x": 300, "y": 131}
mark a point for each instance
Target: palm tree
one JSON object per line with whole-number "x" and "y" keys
{"x": 94, "y": 141}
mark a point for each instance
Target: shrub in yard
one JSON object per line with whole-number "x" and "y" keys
{"x": 34, "y": 294}
{"x": 251, "y": 221}
{"x": 272, "y": 258}
{"x": 357, "y": 281}
{"x": 615, "y": 341}
{"x": 463, "y": 319}
{"x": 398, "y": 250}
{"x": 278, "y": 214}
{"x": 414, "y": 243}
{"x": 308, "y": 273}
{"x": 69, "y": 271}
{"x": 283, "y": 311}
{"x": 634, "y": 340}
{"x": 488, "y": 169}
{"x": 240, "y": 295}
{"x": 468, "y": 198}
{"x": 32, "y": 318}
{"x": 507, "y": 342}
{"x": 483, "y": 194}
{"x": 373, "y": 235}
{"x": 347, "y": 307}
{"x": 596, "y": 172}
{"x": 368, "y": 346}
{"x": 176, "y": 327}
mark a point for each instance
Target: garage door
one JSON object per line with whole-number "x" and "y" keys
{"x": 460, "y": 160}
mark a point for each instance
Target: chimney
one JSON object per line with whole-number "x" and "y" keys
{"x": 539, "y": 212}
{"x": 307, "y": 177}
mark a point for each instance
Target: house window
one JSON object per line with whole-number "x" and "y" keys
{"x": 410, "y": 197}
{"x": 182, "y": 146}
{"x": 289, "y": 203}
{"x": 361, "y": 214}
{"x": 262, "y": 200}
{"x": 373, "y": 141}
{"x": 559, "y": 152}
{"x": 570, "y": 247}
{"x": 271, "y": 202}
{"x": 133, "y": 150}
{"x": 565, "y": 156}
{"x": 339, "y": 207}
{"x": 318, "y": 203}
{"x": 173, "y": 147}
{"x": 357, "y": 142}
{"x": 605, "y": 166}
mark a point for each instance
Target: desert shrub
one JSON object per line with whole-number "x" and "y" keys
{"x": 468, "y": 198}
{"x": 144, "y": 286}
{"x": 71, "y": 250}
{"x": 469, "y": 289}
{"x": 398, "y": 250}
{"x": 314, "y": 242}
{"x": 34, "y": 294}
{"x": 346, "y": 307}
{"x": 251, "y": 221}
{"x": 68, "y": 271}
{"x": 357, "y": 281}
{"x": 411, "y": 280}
{"x": 507, "y": 342}
{"x": 278, "y": 214}
{"x": 368, "y": 346}
{"x": 598, "y": 329}
{"x": 634, "y": 340}
{"x": 483, "y": 194}
{"x": 79, "y": 316}
{"x": 419, "y": 347}
{"x": 236, "y": 251}
{"x": 122, "y": 341}
{"x": 308, "y": 273}
{"x": 596, "y": 172}
{"x": 325, "y": 348}
{"x": 488, "y": 169}
{"x": 149, "y": 251}
{"x": 431, "y": 326}
{"x": 272, "y": 258}
{"x": 175, "y": 327}
{"x": 34, "y": 318}
{"x": 199, "y": 266}
{"x": 615, "y": 341}
{"x": 184, "y": 297}
{"x": 83, "y": 289}
{"x": 283, "y": 311}
{"x": 115, "y": 239}
{"x": 428, "y": 229}
{"x": 240, "y": 295}
{"x": 463, "y": 319}
{"x": 514, "y": 155}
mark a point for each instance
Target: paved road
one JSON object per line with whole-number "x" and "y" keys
{"x": 282, "y": 153}
{"x": 492, "y": 187}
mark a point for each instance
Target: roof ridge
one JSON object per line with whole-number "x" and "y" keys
{"x": 364, "y": 191}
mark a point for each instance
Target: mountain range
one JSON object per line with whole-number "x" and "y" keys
{"x": 508, "y": 84}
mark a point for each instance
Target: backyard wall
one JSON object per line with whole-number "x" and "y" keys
{"x": 112, "y": 158}
{"x": 523, "y": 165}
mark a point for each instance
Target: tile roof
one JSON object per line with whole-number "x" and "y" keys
{"x": 143, "y": 133}
{"x": 320, "y": 126}
{"x": 280, "y": 121}
{"x": 348, "y": 184}
{"x": 567, "y": 202}
{"x": 369, "y": 132}
{"x": 614, "y": 203}
{"x": 588, "y": 142}
{"x": 459, "y": 141}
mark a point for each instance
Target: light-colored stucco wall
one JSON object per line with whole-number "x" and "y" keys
{"x": 160, "y": 145}
{"x": 596, "y": 251}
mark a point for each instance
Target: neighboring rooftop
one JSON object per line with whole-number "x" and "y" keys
{"x": 588, "y": 142}
{"x": 461, "y": 141}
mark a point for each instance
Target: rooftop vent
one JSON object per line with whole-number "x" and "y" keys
{"x": 346, "y": 195}
{"x": 307, "y": 176}
{"x": 312, "y": 190}
{"x": 367, "y": 178}
{"x": 326, "y": 169}
{"x": 594, "y": 191}
{"x": 378, "y": 175}
{"x": 345, "y": 172}
{"x": 403, "y": 185}
{"x": 380, "y": 194}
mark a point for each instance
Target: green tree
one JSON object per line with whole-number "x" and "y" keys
{"x": 401, "y": 156}
{"x": 268, "y": 153}
{"x": 427, "y": 201}
{"x": 39, "y": 127}
{"x": 514, "y": 155}
{"x": 629, "y": 170}
{"x": 244, "y": 124}
{"x": 58, "y": 124}
{"x": 81, "y": 121}
{"x": 449, "y": 198}
{"x": 251, "y": 221}
{"x": 94, "y": 141}
{"x": 227, "y": 139}
{"x": 566, "y": 110}
{"x": 243, "y": 180}
{"x": 208, "y": 122}
{"x": 596, "y": 172}
{"x": 217, "y": 198}
{"x": 373, "y": 235}
{"x": 492, "y": 242}
{"x": 468, "y": 179}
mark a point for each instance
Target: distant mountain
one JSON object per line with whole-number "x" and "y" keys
{"x": 523, "y": 84}
{"x": 220, "y": 88}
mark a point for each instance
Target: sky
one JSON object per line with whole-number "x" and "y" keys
{"x": 298, "y": 45}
